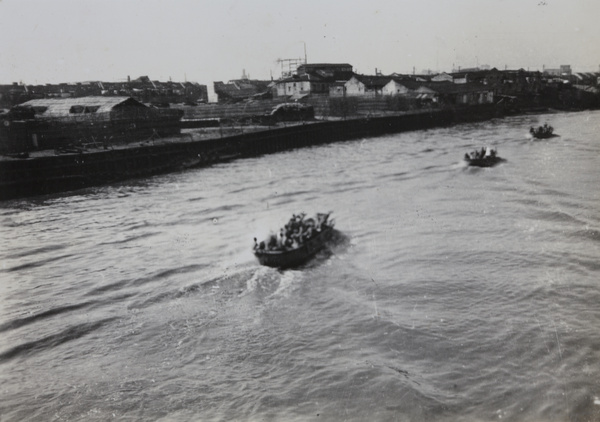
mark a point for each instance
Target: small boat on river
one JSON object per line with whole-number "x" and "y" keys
{"x": 486, "y": 157}
{"x": 298, "y": 241}
{"x": 542, "y": 132}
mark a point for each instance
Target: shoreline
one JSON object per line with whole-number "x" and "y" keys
{"x": 45, "y": 172}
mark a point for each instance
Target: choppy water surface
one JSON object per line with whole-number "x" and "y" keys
{"x": 450, "y": 293}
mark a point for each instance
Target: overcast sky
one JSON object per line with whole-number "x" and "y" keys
{"x": 51, "y": 41}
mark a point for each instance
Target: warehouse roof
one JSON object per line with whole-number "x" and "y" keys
{"x": 58, "y": 107}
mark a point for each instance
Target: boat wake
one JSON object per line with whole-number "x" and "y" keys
{"x": 269, "y": 282}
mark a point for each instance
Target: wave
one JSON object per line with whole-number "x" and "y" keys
{"x": 166, "y": 274}
{"x": 19, "y": 322}
{"x": 29, "y": 252}
{"x": 196, "y": 198}
{"x": 52, "y": 341}
{"x": 397, "y": 176}
{"x": 171, "y": 271}
{"x": 37, "y": 263}
{"x": 229, "y": 284}
{"x": 131, "y": 238}
{"x": 556, "y": 216}
{"x": 589, "y": 234}
{"x": 124, "y": 284}
{"x": 293, "y": 194}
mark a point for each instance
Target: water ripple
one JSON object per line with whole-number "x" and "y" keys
{"x": 47, "y": 343}
{"x": 447, "y": 294}
{"x": 19, "y": 322}
{"x": 37, "y": 263}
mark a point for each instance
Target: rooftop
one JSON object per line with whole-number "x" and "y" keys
{"x": 50, "y": 107}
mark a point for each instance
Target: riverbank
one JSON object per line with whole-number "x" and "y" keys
{"x": 44, "y": 172}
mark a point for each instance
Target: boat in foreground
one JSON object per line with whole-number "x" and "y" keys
{"x": 298, "y": 242}
{"x": 486, "y": 157}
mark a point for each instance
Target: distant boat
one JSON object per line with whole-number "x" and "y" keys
{"x": 542, "y": 132}
{"x": 486, "y": 157}
{"x": 279, "y": 256}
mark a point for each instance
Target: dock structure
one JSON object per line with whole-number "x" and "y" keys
{"x": 43, "y": 172}
{"x": 55, "y": 123}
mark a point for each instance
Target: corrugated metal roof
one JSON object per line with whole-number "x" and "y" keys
{"x": 297, "y": 96}
{"x": 587, "y": 88}
{"x": 58, "y": 107}
{"x": 313, "y": 65}
{"x": 295, "y": 79}
{"x": 374, "y": 81}
{"x": 586, "y": 75}
{"x": 452, "y": 88}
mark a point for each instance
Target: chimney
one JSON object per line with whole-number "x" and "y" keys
{"x": 128, "y": 78}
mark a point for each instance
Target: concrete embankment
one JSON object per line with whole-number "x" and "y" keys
{"x": 54, "y": 173}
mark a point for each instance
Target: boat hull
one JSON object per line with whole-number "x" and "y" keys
{"x": 294, "y": 257}
{"x": 547, "y": 136}
{"x": 484, "y": 162}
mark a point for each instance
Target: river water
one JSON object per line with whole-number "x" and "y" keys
{"x": 449, "y": 293}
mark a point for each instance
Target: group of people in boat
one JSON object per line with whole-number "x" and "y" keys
{"x": 295, "y": 233}
{"x": 487, "y": 156}
{"x": 542, "y": 131}
{"x": 481, "y": 154}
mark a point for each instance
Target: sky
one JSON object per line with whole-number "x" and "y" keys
{"x": 53, "y": 41}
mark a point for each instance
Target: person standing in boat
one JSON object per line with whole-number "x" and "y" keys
{"x": 307, "y": 233}
{"x": 289, "y": 243}
{"x": 272, "y": 242}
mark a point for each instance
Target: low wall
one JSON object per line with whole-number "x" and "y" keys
{"x": 41, "y": 175}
